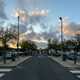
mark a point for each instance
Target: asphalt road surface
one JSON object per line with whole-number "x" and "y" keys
{"x": 39, "y": 68}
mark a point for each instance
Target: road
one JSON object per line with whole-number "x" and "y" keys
{"x": 39, "y": 68}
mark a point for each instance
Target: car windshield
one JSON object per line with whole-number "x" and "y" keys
{"x": 39, "y": 40}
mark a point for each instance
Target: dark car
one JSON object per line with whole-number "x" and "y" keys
{"x": 56, "y": 54}
{"x": 72, "y": 56}
{"x": 11, "y": 54}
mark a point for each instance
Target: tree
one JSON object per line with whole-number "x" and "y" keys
{"x": 77, "y": 39}
{"x": 52, "y": 44}
{"x": 28, "y": 45}
{"x": 69, "y": 44}
{"x": 49, "y": 44}
{"x": 6, "y": 34}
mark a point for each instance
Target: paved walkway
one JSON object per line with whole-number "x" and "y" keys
{"x": 67, "y": 63}
{"x": 10, "y": 63}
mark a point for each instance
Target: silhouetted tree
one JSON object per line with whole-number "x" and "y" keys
{"x": 77, "y": 38}
{"x": 49, "y": 44}
{"x": 28, "y": 45}
{"x": 5, "y": 36}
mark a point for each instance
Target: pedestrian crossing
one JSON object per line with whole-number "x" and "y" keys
{"x": 4, "y": 71}
{"x": 76, "y": 73}
{"x": 2, "y": 74}
{"x": 78, "y": 76}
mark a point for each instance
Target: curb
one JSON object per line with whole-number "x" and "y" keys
{"x": 15, "y": 64}
{"x": 64, "y": 64}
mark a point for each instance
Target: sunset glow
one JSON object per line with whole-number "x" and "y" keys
{"x": 39, "y": 19}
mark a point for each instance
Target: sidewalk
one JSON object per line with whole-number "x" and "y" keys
{"x": 67, "y": 63}
{"x": 10, "y": 63}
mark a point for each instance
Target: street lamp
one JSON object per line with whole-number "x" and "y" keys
{"x": 18, "y": 34}
{"x": 63, "y": 55}
{"x": 61, "y": 31}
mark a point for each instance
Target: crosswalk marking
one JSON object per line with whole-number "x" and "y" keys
{"x": 5, "y": 70}
{"x": 78, "y": 76}
{"x": 2, "y": 74}
{"x": 75, "y": 71}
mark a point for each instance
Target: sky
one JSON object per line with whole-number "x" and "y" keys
{"x": 46, "y": 23}
{"x": 65, "y": 8}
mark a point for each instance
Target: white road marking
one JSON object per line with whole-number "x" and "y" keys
{"x": 5, "y": 70}
{"x": 78, "y": 76}
{"x": 2, "y": 74}
{"x": 75, "y": 71}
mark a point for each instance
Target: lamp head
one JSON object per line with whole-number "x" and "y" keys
{"x": 60, "y": 18}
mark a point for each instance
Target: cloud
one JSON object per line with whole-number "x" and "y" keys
{"x": 34, "y": 18}
{"x": 22, "y": 13}
{"x": 44, "y": 26}
{"x": 14, "y": 28}
{"x": 31, "y": 17}
{"x": 2, "y": 9}
{"x": 38, "y": 16}
{"x": 70, "y": 28}
{"x": 49, "y": 35}
{"x": 38, "y": 12}
{"x": 30, "y": 35}
{"x": 23, "y": 3}
{"x": 38, "y": 37}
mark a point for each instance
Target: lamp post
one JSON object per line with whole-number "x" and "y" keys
{"x": 60, "y": 18}
{"x": 18, "y": 34}
{"x": 61, "y": 31}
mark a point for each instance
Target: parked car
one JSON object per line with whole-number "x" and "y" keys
{"x": 11, "y": 54}
{"x": 71, "y": 56}
{"x": 56, "y": 54}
